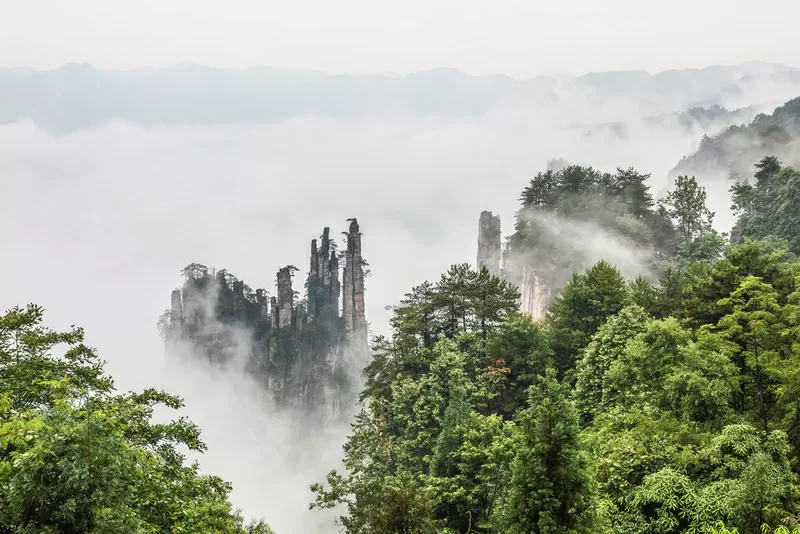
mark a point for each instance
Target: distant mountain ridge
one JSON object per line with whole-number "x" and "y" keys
{"x": 707, "y": 119}
{"x": 77, "y": 96}
{"x": 733, "y": 151}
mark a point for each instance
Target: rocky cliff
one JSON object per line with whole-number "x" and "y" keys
{"x": 534, "y": 291}
{"x": 489, "y": 242}
{"x": 302, "y": 350}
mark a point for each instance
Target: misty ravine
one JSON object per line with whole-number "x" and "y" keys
{"x": 621, "y": 357}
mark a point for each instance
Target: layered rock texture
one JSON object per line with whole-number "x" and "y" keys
{"x": 302, "y": 350}
{"x": 534, "y": 291}
{"x": 489, "y": 242}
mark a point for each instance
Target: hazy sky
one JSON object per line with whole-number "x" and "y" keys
{"x": 520, "y": 38}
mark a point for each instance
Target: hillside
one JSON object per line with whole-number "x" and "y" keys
{"x": 735, "y": 150}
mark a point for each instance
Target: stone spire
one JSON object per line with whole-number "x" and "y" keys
{"x": 238, "y": 299}
{"x": 175, "y": 308}
{"x": 311, "y": 284}
{"x": 333, "y": 296}
{"x": 175, "y": 330}
{"x": 323, "y": 277}
{"x": 325, "y": 268}
{"x": 273, "y": 312}
{"x": 353, "y": 283}
{"x": 261, "y": 300}
{"x": 489, "y": 242}
{"x": 285, "y": 302}
{"x": 534, "y": 293}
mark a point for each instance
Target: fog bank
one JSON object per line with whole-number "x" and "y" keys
{"x": 96, "y": 224}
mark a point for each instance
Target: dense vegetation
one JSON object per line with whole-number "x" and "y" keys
{"x": 77, "y": 457}
{"x": 770, "y": 205}
{"x": 658, "y": 407}
{"x": 661, "y": 405}
{"x": 664, "y": 234}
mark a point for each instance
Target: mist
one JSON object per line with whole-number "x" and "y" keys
{"x": 96, "y": 225}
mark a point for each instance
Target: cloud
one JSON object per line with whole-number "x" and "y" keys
{"x": 96, "y": 224}
{"x": 271, "y": 455}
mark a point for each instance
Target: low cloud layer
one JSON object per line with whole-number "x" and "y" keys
{"x": 95, "y": 226}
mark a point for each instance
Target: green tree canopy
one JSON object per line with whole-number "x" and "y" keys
{"x": 76, "y": 457}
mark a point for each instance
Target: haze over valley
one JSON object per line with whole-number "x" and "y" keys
{"x": 113, "y": 179}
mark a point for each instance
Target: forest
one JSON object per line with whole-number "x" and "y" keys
{"x": 661, "y": 404}
{"x": 664, "y": 403}
{"x": 733, "y": 150}
{"x": 451, "y": 267}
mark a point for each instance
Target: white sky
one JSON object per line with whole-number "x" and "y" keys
{"x": 521, "y": 38}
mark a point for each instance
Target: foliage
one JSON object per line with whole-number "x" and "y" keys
{"x": 733, "y": 150}
{"x": 585, "y": 304}
{"x": 550, "y": 490}
{"x": 618, "y": 205}
{"x": 633, "y": 407}
{"x": 768, "y": 206}
{"x": 77, "y": 457}
{"x": 665, "y": 404}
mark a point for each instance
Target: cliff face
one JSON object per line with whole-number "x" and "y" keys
{"x": 534, "y": 291}
{"x": 353, "y": 277}
{"x": 489, "y": 242}
{"x": 535, "y": 294}
{"x": 302, "y": 350}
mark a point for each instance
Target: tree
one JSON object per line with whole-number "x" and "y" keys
{"x": 479, "y": 458}
{"x": 761, "y": 479}
{"x": 394, "y": 439}
{"x": 606, "y": 348}
{"x": 768, "y": 206}
{"x": 685, "y": 204}
{"x": 685, "y": 207}
{"x": 413, "y": 317}
{"x": 550, "y": 489}
{"x": 703, "y": 285}
{"x": 76, "y": 457}
{"x": 492, "y": 299}
{"x": 619, "y": 204}
{"x": 756, "y": 327}
{"x": 586, "y": 302}
{"x": 523, "y": 348}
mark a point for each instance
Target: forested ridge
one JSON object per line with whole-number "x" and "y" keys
{"x": 663, "y": 403}
{"x": 732, "y": 151}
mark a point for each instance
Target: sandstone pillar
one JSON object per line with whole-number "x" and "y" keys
{"x": 489, "y": 243}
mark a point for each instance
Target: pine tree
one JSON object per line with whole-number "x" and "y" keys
{"x": 549, "y": 491}
{"x": 585, "y": 304}
{"x": 457, "y": 411}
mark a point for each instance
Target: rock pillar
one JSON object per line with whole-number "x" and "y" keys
{"x": 489, "y": 243}
{"x": 534, "y": 293}
{"x": 333, "y": 296}
{"x": 353, "y": 284}
{"x": 311, "y": 284}
{"x": 285, "y": 298}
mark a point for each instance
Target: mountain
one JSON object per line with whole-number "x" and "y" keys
{"x": 693, "y": 120}
{"x": 735, "y": 150}
{"x": 78, "y": 96}
{"x": 301, "y": 351}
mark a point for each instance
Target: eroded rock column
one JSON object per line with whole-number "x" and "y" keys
{"x": 489, "y": 242}
{"x": 353, "y": 285}
{"x": 285, "y": 302}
